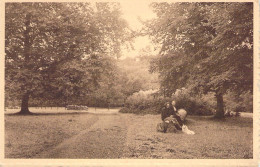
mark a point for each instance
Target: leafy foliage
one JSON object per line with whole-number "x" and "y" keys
{"x": 58, "y": 52}
{"x": 150, "y": 102}
{"x": 194, "y": 105}
{"x": 144, "y": 102}
{"x": 239, "y": 102}
{"x": 206, "y": 47}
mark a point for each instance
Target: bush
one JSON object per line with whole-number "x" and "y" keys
{"x": 239, "y": 102}
{"x": 125, "y": 110}
{"x": 145, "y": 102}
{"x": 194, "y": 105}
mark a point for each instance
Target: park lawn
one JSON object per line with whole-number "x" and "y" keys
{"x": 231, "y": 138}
{"x": 29, "y": 136}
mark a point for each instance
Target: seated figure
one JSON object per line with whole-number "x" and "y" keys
{"x": 172, "y": 119}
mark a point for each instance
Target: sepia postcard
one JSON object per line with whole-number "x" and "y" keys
{"x": 129, "y": 83}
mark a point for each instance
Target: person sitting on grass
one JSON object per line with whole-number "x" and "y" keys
{"x": 179, "y": 115}
{"x": 173, "y": 119}
{"x": 167, "y": 111}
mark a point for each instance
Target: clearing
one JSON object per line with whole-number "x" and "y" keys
{"x": 108, "y": 134}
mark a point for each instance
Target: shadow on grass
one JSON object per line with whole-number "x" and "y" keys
{"x": 57, "y": 114}
{"x": 44, "y": 114}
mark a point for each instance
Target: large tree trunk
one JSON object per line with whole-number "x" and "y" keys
{"x": 25, "y": 106}
{"x": 220, "y": 106}
{"x": 27, "y": 52}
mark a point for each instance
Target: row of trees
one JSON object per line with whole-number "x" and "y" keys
{"x": 68, "y": 53}
{"x": 205, "y": 47}
{"x": 65, "y": 51}
{"x": 127, "y": 76}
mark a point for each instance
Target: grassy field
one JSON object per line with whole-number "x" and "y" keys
{"x": 117, "y": 135}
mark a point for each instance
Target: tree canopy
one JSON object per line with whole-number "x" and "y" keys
{"x": 204, "y": 47}
{"x": 60, "y": 48}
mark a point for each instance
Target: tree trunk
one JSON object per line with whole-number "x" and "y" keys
{"x": 27, "y": 52}
{"x": 220, "y": 106}
{"x": 24, "y": 106}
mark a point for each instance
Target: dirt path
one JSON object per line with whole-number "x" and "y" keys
{"x": 104, "y": 139}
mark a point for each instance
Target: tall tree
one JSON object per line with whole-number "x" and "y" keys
{"x": 204, "y": 46}
{"x": 46, "y": 43}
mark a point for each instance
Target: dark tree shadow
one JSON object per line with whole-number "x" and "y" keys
{"x": 45, "y": 114}
{"x": 56, "y": 114}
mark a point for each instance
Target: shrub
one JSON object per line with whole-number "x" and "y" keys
{"x": 125, "y": 110}
{"x": 239, "y": 102}
{"x": 194, "y": 105}
{"x": 144, "y": 102}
